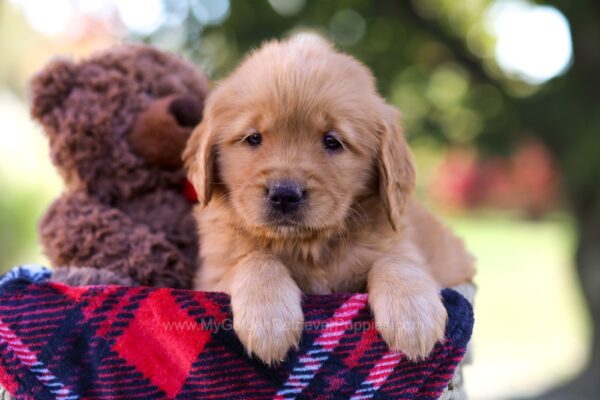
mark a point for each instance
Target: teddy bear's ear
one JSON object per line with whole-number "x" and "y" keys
{"x": 49, "y": 88}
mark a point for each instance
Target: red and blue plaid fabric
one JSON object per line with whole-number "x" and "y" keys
{"x": 111, "y": 342}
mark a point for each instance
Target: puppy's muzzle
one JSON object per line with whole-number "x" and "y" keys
{"x": 286, "y": 197}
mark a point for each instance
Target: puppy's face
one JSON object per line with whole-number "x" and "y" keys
{"x": 294, "y": 138}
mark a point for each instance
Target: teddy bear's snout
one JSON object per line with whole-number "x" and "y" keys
{"x": 161, "y": 131}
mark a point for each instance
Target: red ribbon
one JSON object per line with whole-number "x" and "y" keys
{"x": 190, "y": 192}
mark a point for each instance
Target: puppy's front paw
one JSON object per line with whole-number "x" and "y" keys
{"x": 409, "y": 323}
{"x": 268, "y": 329}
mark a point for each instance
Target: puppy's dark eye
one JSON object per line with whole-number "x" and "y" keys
{"x": 331, "y": 143}
{"x": 254, "y": 140}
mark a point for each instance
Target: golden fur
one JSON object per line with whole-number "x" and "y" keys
{"x": 361, "y": 230}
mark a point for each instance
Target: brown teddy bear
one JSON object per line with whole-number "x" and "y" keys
{"x": 117, "y": 124}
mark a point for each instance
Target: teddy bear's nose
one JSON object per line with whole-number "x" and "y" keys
{"x": 187, "y": 110}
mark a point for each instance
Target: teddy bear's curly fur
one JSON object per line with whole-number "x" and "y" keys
{"x": 117, "y": 124}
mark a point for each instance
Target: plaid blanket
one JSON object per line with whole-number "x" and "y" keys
{"x": 112, "y": 342}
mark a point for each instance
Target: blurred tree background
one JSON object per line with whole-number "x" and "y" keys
{"x": 500, "y": 103}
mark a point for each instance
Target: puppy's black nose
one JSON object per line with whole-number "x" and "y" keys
{"x": 285, "y": 196}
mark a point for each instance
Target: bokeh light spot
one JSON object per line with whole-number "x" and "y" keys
{"x": 171, "y": 38}
{"x": 141, "y": 22}
{"x": 347, "y": 27}
{"x": 533, "y": 42}
{"x": 447, "y": 86}
{"x": 461, "y": 125}
{"x": 94, "y": 6}
{"x": 176, "y": 11}
{"x": 210, "y": 12}
{"x": 287, "y": 7}
{"x": 47, "y": 17}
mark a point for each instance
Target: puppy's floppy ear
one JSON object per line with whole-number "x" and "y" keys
{"x": 199, "y": 159}
{"x": 395, "y": 165}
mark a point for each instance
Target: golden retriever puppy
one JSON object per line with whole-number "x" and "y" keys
{"x": 305, "y": 181}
